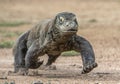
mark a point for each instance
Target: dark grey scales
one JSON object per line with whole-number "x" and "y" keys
{"x": 52, "y": 37}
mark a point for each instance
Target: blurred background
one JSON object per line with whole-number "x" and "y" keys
{"x": 99, "y": 22}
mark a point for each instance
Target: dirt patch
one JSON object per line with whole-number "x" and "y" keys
{"x": 99, "y": 22}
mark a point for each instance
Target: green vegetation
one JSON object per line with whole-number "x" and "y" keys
{"x": 70, "y": 53}
{"x": 5, "y": 41}
{"x": 92, "y": 20}
{"x": 12, "y": 34}
{"x": 6, "y": 44}
{"x": 12, "y": 24}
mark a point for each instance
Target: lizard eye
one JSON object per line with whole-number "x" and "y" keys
{"x": 61, "y": 19}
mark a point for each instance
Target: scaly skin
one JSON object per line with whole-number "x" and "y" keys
{"x": 52, "y": 37}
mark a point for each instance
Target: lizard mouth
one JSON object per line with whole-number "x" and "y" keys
{"x": 69, "y": 32}
{"x": 72, "y": 30}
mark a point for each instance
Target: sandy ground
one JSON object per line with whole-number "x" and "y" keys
{"x": 99, "y": 22}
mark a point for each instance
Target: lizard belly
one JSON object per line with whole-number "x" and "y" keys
{"x": 53, "y": 51}
{"x": 56, "y": 49}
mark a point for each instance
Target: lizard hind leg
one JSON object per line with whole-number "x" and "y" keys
{"x": 36, "y": 64}
{"x": 48, "y": 65}
{"x": 51, "y": 59}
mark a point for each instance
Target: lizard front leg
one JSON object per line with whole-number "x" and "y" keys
{"x": 84, "y": 47}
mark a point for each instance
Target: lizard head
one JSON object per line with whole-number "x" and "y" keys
{"x": 66, "y": 23}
